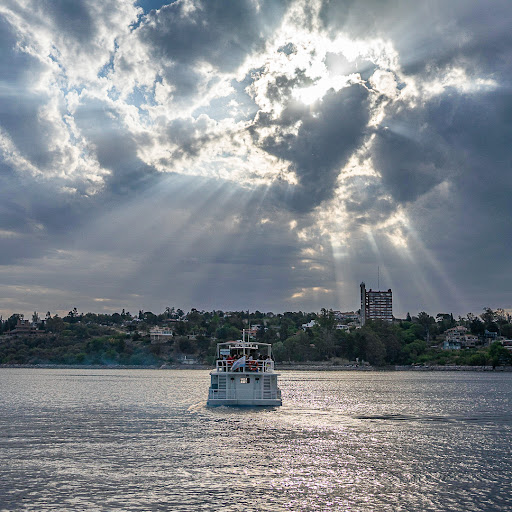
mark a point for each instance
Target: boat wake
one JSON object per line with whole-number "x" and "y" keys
{"x": 197, "y": 407}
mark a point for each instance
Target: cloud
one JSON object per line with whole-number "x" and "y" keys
{"x": 73, "y": 19}
{"x": 410, "y": 167}
{"x": 296, "y": 145}
{"x": 324, "y": 140}
{"x": 193, "y": 32}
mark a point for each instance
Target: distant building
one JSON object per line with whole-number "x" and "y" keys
{"x": 187, "y": 360}
{"x": 309, "y": 325}
{"x": 376, "y": 305}
{"x": 458, "y": 337}
{"x": 346, "y": 316}
{"x": 507, "y": 344}
{"x": 455, "y": 335}
{"x": 449, "y": 344}
{"x": 470, "y": 341}
{"x": 252, "y": 332}
{"x": 490, "y": 336}
{"x": 160, "y": 334}
{"x": 24, "y": 328}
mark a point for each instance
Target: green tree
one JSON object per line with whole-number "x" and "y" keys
{"x": 72, "y": 316}
{"x": 326, "y": 319}
{"x": 506, "y": 330}
{"x": 426, "y": 321}
{"x": 12, "y": 321}
{"x": 280, "y": 352}
{"x": 228, "y": 332}
{"x": 55, "y": 324}
{"x": 194, "y": 318}
{"x": 369, "y": 346}
{"x": 184, "y": 345}
{"x": 375, "y": 351}
{"x": 150, "y": 318}
{"x": 444, "y": 321}
{"x": 475, "y": 325}
{"x": 499, "y": 355}
{"x": 478, "y": 359}
{"x": 412, "y": 351}
{"x": 490, "y": 320}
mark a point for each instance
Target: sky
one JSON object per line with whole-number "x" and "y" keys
{"x": 255, "y": 154}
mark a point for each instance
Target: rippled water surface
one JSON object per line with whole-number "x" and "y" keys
{"x": 145, "y": 440}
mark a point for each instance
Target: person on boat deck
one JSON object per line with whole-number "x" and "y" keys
{"x": 251, "y": 364}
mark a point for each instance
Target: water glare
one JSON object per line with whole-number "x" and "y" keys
{"x": 144, "y": 440}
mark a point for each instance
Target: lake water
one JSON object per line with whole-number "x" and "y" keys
{"x": 144, "y": 440}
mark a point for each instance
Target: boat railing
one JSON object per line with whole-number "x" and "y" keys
{"x": 257, "y": 366}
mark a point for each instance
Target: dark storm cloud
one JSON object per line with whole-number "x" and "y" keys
{"x": 16, "y": 67}
{"x": 115, "y": 148}
{"x": 28, "y": 131}
{"x": 475, "y": 36}
{"x": 409, "y": 167}
{"x": 478, "y": 130}
{"x": 447, "y": 159}
{"x": 431, "y": 35}
{"x": 185, "y": 80}
{"x": 189, "y": 135}
{"x": 35, "y": 216}
{"x": 214, "y": 32}
{"x": 365, "y": 18}
{"x": 326, "y": 138}
{"x": 19, "y": 107}
{"x": 367, "y": 206}
{"x": 73, "y": 19}
{"x": 13, "y": 215}
{"x": 477, "y": 127}
{"x": 460, "y": 138}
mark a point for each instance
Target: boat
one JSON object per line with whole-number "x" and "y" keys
{"x": 244, "y": 375}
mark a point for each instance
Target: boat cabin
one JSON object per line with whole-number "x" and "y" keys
{"x": 244, "y": 375}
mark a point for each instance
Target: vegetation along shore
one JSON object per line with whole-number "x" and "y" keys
{"x": 178, "y": 339}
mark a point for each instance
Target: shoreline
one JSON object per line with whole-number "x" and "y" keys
{"x": 393, "y": 368}
{"x": 283, "y": 367}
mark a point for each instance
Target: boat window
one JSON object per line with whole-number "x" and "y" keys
{"x": 245, "y": 380}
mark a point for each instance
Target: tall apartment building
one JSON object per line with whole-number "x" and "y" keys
{"x": 376, "y": 305}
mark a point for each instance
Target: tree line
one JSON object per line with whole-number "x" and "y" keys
{"x": 123, "y": 338}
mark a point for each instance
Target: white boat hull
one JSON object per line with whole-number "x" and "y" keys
{"x": 244, "y": 388}
{"x": 244, "y": 403}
